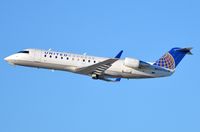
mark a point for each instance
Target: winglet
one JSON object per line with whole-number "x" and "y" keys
{"x": 110, "y": 80}
{"x": 118, "y": 80}
{"x": 119, "y": 54}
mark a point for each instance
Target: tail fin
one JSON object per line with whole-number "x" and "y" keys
{"x": 171, "y": 59}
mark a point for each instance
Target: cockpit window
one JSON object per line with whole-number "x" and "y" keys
{"x": 26, "y": 52}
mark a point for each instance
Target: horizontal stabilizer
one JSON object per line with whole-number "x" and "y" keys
{"x": 186, "y": 50}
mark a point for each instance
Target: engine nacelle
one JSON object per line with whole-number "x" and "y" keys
{"x": 131, "y": 62}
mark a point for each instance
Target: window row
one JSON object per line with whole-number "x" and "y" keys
{"x": 67, "y": 58}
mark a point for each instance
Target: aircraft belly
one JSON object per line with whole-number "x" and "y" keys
{"x": 45, "y": 65}
{"x": 130, "y": 73}
{"x": 119, "y": 70}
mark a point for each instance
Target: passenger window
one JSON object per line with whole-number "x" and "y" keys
{"x": 83, "y": 60}
{"x": 56, "y": 57}
{"x": 45, "y": 55}
{"x": 94, "y": 61}
{"x": 67, "y": 58}
{"x": 61, "y": 57}
{"x": 88, "y": 60}
{"x": 50, "y": 56}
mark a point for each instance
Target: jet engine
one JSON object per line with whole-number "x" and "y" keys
{"x": 131, "y": 62}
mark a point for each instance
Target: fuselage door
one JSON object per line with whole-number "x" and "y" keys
{"x": 37, "y": 55}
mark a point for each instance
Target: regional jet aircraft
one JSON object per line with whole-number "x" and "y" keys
{"x": 107, "y": 69}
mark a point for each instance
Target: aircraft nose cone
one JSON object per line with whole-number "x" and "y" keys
{"x": 7, "y": 58}
{"x": 10, "y": 58}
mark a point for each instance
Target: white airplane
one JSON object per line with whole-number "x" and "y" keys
{"x": 107, "y": 69}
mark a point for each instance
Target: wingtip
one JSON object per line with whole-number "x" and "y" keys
{"x": 118, "y": 80}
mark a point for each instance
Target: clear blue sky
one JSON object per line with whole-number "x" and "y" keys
{"x": 37, "y": 100}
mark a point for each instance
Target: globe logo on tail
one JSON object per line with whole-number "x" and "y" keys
{"x": 167, "y": 61}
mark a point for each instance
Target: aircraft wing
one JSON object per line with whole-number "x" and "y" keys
{"x": 98, "y": 68}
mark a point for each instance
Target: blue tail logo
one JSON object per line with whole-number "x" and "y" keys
{"x": 171, "y": 59}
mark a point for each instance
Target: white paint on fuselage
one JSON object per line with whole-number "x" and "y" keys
{"x": 71, "y": 62}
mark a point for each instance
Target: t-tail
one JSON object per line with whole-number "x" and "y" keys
{"x": 172, "y": 58}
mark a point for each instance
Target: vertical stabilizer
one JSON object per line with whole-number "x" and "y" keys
{"x": 172, "y": 58}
